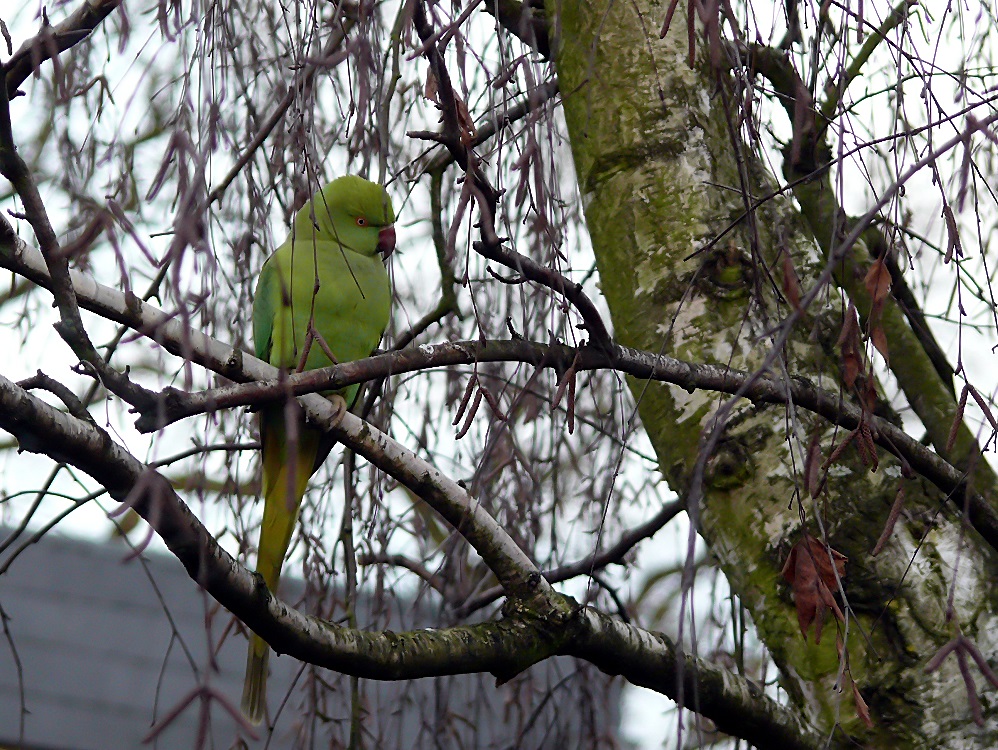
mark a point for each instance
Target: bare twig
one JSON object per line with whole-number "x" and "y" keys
{"x": 593, "y": 562}
{"x": 74, "y": 405}
{"x": 486, "y": 196}
{"x": 413, "y": 566}
{"x": 70, "y": 326}
{"x": 303, "y": 79}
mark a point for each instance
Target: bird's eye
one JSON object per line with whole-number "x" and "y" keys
{"x": 361, "y": 221}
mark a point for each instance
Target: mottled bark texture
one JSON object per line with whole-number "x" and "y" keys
{"x": 660, "y": 175}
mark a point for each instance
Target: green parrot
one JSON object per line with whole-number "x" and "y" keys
{"x": 324, "y": 291}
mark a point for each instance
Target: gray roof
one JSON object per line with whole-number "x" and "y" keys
{"x": 101, "y": 665}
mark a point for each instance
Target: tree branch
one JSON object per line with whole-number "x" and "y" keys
{"x": 236, "y": 365}
{"x": 489, "y": 647}
{"x": 502, "y": 648}
{"x": 737, "y": 706}
{"x": 53, "y": 40}
{"x": 590, "y": 563}
{"x": 70, "y": 326}
{"x": 510, "y": 565}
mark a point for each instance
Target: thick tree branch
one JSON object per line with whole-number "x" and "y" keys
{"x": 490, "y": 647}
{"x": 653, "y": 661}
{"x": 503, "y": 556}
{"x": 239, "y": 366}
{"x": 502, "y": 648}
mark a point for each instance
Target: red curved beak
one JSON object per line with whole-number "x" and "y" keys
{"x": 386, "y": 241}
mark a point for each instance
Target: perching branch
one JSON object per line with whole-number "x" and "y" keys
{"x": 491, "y": 647}
{"x": 236, "y": 365}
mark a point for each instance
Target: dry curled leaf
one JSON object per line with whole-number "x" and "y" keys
{"x": 878, "y": 281}
{"x": 812, "y": 578}
{"x": 878, "y": 284}
{"x": 812, "y": 465}
{"x": 879, "y": 338}
{"x": 953, "y": 244}
{"x": 464, "y": 121}
{"x": 849, "y": 345}
{"x": 862, "y": 710}
{"x": 791, "y": 284}
{"x": 430, "y": 89}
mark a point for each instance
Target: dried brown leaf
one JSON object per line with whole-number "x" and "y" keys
{"x": 812, "y": 570}
{"x": 878, "y": 281}
{"x": 464, "y": 121}
{"x": 791, "y": 284}
{"x": 953, "y": 244}
{"x": 849, "y": 345}
{"x": 430, "y": 89}
{"x": 879, "y": 338}
{"x": 812, "y": 465}
{"x": 862, "y": 710}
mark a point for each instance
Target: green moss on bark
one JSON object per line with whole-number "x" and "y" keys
{"x": 651, "y": 143}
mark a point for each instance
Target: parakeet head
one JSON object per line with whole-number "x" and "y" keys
{"x": 353, "y": 211}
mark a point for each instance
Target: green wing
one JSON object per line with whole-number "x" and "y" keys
{"x": 265, "y": 302}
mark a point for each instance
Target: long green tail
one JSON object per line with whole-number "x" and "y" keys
{"x": 282, "y": 498}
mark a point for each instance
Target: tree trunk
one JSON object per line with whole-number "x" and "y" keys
{"x": 662, "y": 170}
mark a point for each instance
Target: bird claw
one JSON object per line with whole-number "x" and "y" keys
{"x": 339, "y": 407}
